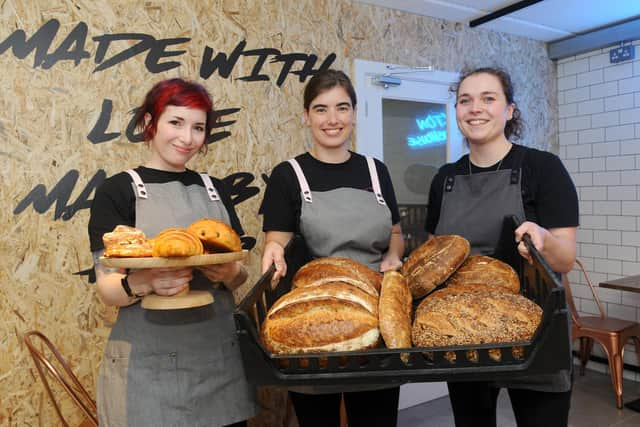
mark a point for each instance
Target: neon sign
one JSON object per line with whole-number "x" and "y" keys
{"x": 434, "y": 126}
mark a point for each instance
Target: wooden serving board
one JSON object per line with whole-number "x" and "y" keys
{"x": 191, "y": 261}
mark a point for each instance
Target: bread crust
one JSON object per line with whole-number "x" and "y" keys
{"x": 431, "y": 263}
{"x": 321, "y": 319}
{"x": 395, "y": 311}
{"x": 451, "y": 317}
{"x": 478, "y": 270}
{"x": 329, "y": 269}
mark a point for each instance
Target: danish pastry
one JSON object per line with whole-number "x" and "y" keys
{"x": 126, "y": 241}
{"x": 216, "y": 236}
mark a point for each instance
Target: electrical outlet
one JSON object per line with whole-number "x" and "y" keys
{"x": 622, "y": 53}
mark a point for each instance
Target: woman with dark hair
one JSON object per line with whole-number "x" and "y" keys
{"x": 472, "y": 197}
{"x": 343, "y": 204}
{"x": 173, "y": 367}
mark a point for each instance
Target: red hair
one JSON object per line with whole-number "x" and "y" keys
{"x": 177, "y": 92}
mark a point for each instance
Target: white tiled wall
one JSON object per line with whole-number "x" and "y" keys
{"x": 599, "y": 139}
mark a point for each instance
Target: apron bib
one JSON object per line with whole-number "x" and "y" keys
{"x": 175, "y": 367}
{"x": 475, "y": 206}
{"x": 345, "y": 222}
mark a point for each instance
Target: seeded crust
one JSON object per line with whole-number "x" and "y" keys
{"x": 487, "y": 271}
{"x": 469, "y": 318}
{"x": 431, "y": 263}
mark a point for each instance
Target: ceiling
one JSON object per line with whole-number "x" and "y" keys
{"x": 547, "y": 20}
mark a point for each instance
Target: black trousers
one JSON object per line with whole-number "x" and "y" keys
{"x": 474, "y": 404}
{"x": 377, "y": 408}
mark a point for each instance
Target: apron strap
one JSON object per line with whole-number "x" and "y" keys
{"x": 304, "y": 185}
{"x": 375, "y": 181}
{"x": 140, "y": 189}
{"x": 208, "y": 185}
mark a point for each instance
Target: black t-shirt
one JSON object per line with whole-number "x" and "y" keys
{"x": 282, "y": 203}
{"x": 548, "y": 194}
{"x": 115, "y": 202}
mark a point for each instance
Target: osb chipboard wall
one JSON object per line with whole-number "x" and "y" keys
{"x": 71, "y": 74}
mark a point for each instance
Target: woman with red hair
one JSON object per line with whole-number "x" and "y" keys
{"x": 172, "y": 367}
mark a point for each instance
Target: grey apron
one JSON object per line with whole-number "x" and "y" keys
{"x": 175, "y": 367}
{"x": 475, "y": 206}
{"x": 344, "y": 222}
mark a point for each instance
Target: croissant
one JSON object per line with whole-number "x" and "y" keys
{"x": 176, "y": 242}
{"x": 216, "y": 236}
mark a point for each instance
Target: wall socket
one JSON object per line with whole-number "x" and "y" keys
{"x": 622, "y": 53}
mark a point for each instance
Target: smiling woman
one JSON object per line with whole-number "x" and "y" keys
{"x": 473, "y": 196}
{"x": 147, "y": 354}
{"x": 344, "y": 205}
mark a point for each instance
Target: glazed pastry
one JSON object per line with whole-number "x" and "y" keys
{"x": 125, "y": 241}
{"x": 176, "y": 242}
{"x": 216, "y": 236}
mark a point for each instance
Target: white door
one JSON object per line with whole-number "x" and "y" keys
{"x": 406, "y": 118}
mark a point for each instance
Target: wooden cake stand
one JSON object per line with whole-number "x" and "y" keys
{"x": 185, "y": 298}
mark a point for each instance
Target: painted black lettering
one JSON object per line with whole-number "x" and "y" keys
{"x": 71, "y": 48}
{"x": 60, "y": 195}
{"x": 221, "y": 63}
{"x": 240, "y": 190}
{"x": 217, "y": 136}
{"x": 98, "y": 133}
{"x": 262, "y": 55}
{"x": 40, "y": 42}
{"x": 157, "y": 52}
{"x": 131, "y": 128}
{"x": 105, "y": 40}
{"x": 307, "y": 69}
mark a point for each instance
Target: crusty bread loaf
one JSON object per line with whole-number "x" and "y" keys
{"x": 478, "y": 317}
{"x": 331, "y": 269}
{"x": 431, "y": 263}
{"x": 332, "y": 317}
{"x": 484, "y": 270}
{"x": 176, "y": 242}
{"x": 395, "y": 311}
{"x": 216, "y": 236}
{"x": 126, "y": 241}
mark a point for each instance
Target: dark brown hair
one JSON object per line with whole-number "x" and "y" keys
{"x": 514, "y": 127}
{"x": 325, "y": 80}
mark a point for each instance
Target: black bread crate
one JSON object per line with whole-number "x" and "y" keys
{"x": 549, "y": 351}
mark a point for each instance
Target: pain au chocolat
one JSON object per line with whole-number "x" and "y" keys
{"x": 216, "y": 236}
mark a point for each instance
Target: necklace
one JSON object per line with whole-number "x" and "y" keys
{"x": 499, "y": 164}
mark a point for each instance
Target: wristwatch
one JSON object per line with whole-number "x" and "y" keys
{"x": 125, "y": 285}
